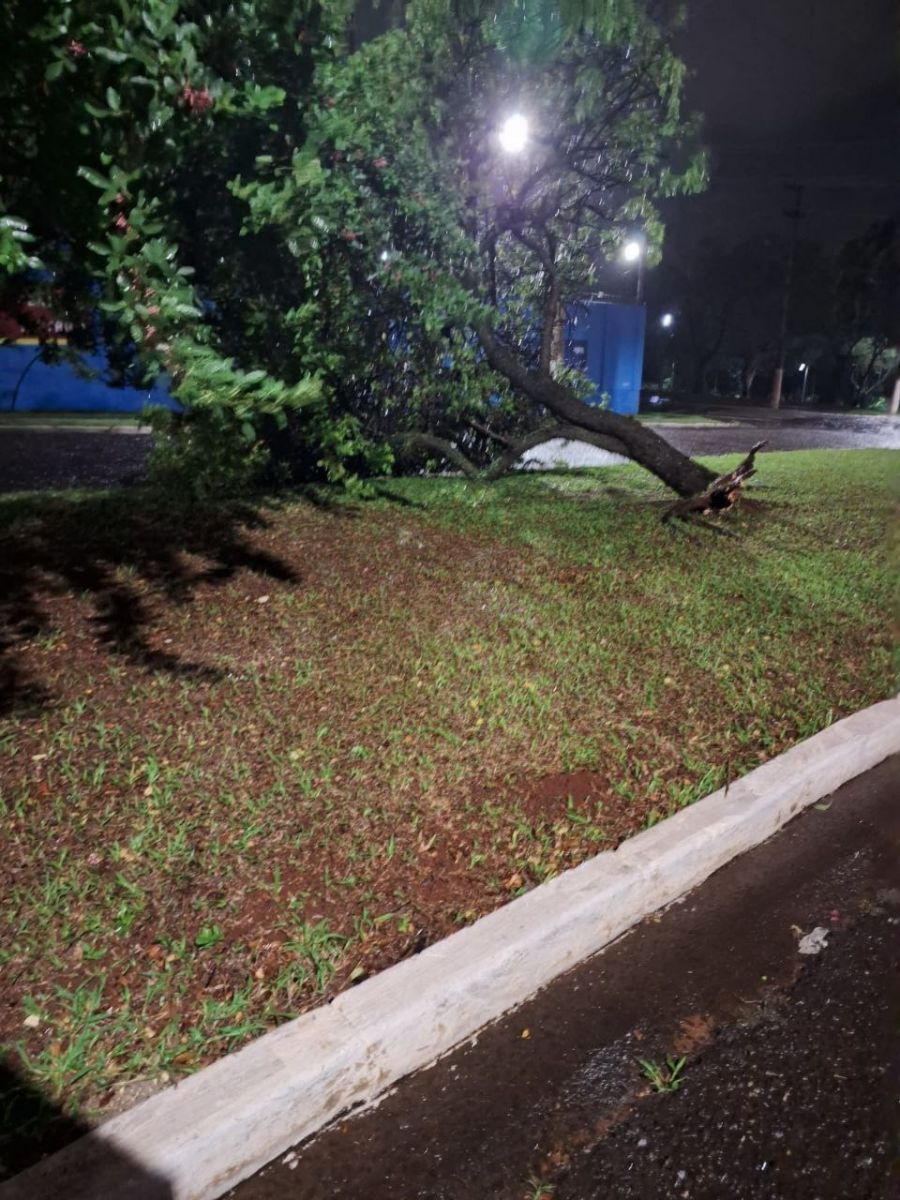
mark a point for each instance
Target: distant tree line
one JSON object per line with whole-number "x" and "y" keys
{"x": 844, "y": 319}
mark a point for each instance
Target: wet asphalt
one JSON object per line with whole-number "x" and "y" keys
{"x": 837, "y": 431}
{"x": 37, "y": 459}
{"x": 42, "y": 460}
{"x": 791, "y": 1080}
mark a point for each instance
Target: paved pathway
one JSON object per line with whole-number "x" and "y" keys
{"x": 792, "y": 1066}
{"x": 54, "y": 458}
{"x": 788, "y": 431}
{"x": 37, "y": 459}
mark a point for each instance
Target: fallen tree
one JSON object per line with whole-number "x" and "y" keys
{"x": 450, "y": 261}
{"x": 721, "y": 494}
{"x": 345, "y": 242}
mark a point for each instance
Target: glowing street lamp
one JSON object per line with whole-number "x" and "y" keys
{"x": 633, "y": 254}
{"x": 667, "y": 320}
{"x": 513, "y": 134}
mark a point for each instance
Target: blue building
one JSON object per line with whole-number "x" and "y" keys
{"x": 58, "y": 387}
{"x": 606, "y": 341}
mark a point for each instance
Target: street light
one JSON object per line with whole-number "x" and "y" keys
{"x": 804, "y": 367}
{"x": 513, "y": 134}
{"x": 667, "y": 320}
{"x": 633, "y": 252}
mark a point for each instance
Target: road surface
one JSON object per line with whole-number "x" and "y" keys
{"x": 52, "y": 458}
{"x": 791, "y": 1078}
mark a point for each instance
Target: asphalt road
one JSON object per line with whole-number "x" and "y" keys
{"x": 42, "y": 459}
{"x": 783, "y": 432}
{"x": 791, "y": 1079}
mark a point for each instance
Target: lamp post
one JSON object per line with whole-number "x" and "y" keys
{"x": 667, "y": 322}
{"x": 804, "y": 367}
{"x": 633, "y": 252}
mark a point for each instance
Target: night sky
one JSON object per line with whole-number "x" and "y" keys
{"x": 803, "y": 91}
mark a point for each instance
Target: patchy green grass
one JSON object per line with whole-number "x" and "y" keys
{"x": 253, "y": 757}
{"x": 664, "y": 418}
{"x": 67, "y": 420}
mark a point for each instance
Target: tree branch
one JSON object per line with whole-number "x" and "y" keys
{"x": 429, "y": 441}
{"x": 640, "y": 443}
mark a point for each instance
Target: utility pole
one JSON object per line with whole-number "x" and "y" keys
{"x": 794, "y": 215}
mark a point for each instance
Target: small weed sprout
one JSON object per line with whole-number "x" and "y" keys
{"x": 663, "y": 1077}
{"x": 538, "y": 1189}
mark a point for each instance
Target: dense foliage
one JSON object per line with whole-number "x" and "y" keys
{"x": 334, "y": 242}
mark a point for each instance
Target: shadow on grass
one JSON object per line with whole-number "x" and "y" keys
{"x": 382, "y": 492}
{"x": 32, "y": 1127}
{"x": 120, "y": 551}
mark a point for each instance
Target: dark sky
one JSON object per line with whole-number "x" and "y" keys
{"x": 804, "y": 91}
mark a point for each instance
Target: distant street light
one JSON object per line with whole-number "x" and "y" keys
{"x": 513, "y": 134}
{"x": 804, "y": 367}
{"x": 667, "y": 320}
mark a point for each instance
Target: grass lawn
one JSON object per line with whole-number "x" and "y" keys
{"x": 68, "y": 420}
{"x": 250, "y": 758}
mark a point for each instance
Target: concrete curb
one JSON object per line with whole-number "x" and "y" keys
{"x": 202, "y": 1136}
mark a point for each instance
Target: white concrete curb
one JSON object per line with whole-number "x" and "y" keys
{"x": 205, "y": 1134}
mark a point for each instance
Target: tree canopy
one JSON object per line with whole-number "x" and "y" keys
{"x": 334, "y": 241}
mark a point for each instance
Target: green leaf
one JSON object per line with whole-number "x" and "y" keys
{"x": 54, "y": 70}
{"x": 113, "y": 56}
{"x": 112, "y": 99}
{"x": 248, "y": 432}
{"x": 263, "y": 98}
{"x": 208, "y": 936}
{"x": 94, "y": 177}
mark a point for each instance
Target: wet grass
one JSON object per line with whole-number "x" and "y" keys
{"x": 250, "y": 760}
{"x": 68, "y": 420}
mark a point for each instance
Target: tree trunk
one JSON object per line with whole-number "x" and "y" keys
{"x": 640, "y": 443}
{"x": 895, "y": 398}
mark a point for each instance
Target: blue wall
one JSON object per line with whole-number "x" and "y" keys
{"x": 607, "y": 342}
{"x": 59, "y": 389}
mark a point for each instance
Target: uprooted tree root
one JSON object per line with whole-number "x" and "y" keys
{"x": 721, "y": 495}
